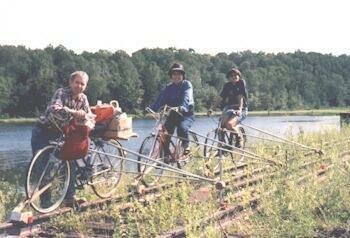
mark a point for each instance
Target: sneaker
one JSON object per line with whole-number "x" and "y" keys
{"x": 239, "y": 142}
{"x": 187, "y": 151}
{"x": 167, "y": 159}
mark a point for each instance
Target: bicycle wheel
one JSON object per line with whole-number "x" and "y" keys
{"x": 106, "y": 168}
{"x": 193, "y": 139}
{"x": 210, "y": 152}
{"x": 211, "y": 142}
{"x": 243, "y": 134}
{"x": 231, "y": 138}
{"x": 47, "y": 179}
{"x": 149, "y": 169}
{"x": 151, "y": 147}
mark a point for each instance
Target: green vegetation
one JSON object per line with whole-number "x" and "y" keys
{"x": 293, "y": 201}
{"x": 10, "y": 197}
{"x": 296, "y": 203}
{"x": 28, "y": 78}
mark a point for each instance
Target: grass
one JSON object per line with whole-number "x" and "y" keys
{"x": 10, "y": 197}
{"x": 291, "y": 207}
{"x": 18, "y": 120}
{"x": 288, "y": 206}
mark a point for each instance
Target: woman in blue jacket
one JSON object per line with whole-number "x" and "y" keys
{"x": 178, "y": 93}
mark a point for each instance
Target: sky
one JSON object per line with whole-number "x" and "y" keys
{"x": 207, "y": 26}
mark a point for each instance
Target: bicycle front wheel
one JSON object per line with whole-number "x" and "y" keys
{"x": 47, "y": 179}
{"x": 107, "y": 166}
{"x": 150, "y": 169}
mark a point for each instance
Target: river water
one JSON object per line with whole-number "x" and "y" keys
{"x": 15, "y": 150}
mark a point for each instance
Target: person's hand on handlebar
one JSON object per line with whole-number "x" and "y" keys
{"x": 239, "y": 113}
{"x": 179, "y": 110}
{"x": 81, "y": 114}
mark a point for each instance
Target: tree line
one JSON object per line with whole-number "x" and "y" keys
{"x": 299, "y": 80}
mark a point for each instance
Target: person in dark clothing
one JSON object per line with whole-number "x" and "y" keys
{"x": 178, "y": 93}
{"x": 234, "y": 98}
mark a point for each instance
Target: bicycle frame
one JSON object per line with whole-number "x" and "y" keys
{"x": 159, "y": 129}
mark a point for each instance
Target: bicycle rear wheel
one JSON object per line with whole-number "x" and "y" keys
{"x": 106, "y": 168}
{"x": 47, "y": 179}
{"x": 242, "y": 134}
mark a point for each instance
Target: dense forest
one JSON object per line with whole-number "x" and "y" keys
{"x": 296, "y": 80}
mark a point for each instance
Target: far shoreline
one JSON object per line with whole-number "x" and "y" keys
{"x": 311, "y": 112}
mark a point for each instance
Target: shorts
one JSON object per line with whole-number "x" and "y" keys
{"x": 231, "y": 113}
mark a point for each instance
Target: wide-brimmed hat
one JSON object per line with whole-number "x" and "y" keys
{"x": 177, "y": 67}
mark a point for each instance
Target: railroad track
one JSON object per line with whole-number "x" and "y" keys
{"x": 22, "y": 229}
{"x": 232, "y": 214}
{"x": 243, "y": 180}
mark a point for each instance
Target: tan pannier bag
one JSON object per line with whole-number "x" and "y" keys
{"x": 120, "y": 126}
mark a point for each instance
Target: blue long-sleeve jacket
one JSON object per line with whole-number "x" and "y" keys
{"x": 180, "y": 95}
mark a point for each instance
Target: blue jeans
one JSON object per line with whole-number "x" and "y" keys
{"x": 40, "y": 138}
{"x": 183, "y": 125}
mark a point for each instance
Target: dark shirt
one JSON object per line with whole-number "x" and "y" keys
{"x": 232, "y": 93}
{"x": 177, "y": 95}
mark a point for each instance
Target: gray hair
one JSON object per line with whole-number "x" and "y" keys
{"x": 80, "y": 73}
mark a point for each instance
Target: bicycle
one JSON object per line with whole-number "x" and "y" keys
{"x": 153, "y": 147}
{"x": 48, "y": 177}
{"x": 221, "y": 137}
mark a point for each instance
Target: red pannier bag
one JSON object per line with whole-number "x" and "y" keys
{"x": 76, "y": 143}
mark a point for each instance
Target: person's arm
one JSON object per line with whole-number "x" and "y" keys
{"x": 86, "y": 105}
{"x": 56, "y": 102}
{"x": 216, "y": 103}
{"x": 245, "y": 91}
{"x": 244, "y": 97}
{"x": 187, "y": 100}
{"x": 218, "y": 100}
{"x": 84, "y": 110}
{"x": 239, "y": 112}
{"x": 159, "y": 102}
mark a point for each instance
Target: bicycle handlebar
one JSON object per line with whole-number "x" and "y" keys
{"x": 164, "y": 110}
{"x": 63, "y": 114}
{"x": 167, "y": 109}
{"x": 148, "y": 109}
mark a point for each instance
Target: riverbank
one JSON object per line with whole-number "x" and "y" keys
{"x": 312, "y": 112}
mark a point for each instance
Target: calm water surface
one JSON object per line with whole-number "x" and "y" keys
{"x": 15, "y": 150}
